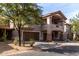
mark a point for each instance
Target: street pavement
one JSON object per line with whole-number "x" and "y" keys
{"x": 56, "y": 49}
{"x": 37, "y": 53}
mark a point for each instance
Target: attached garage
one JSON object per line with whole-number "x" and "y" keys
{"x": 30, "y": 35}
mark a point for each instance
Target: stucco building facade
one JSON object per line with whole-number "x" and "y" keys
{"x": 54, "y": 28}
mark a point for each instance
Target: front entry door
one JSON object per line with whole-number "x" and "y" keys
{"x": 44, "y": 36}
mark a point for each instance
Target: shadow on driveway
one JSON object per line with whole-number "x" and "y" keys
{"x": 59, "y": 49}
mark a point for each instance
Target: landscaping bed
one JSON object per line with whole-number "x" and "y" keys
{"x": 10, "y": 48}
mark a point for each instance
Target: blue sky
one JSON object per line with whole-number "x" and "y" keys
{"x": 69, "y": 10}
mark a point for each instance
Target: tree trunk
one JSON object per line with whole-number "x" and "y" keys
{"x": 19, "y": 33}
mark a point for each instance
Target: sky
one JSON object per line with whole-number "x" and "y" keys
{"x": 68, "y": 9}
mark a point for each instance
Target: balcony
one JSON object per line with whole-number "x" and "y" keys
{"x": 4, "y": 26}
{"x": 33, "y": 27}
{"x": 44, "y": 27}
{"x": 53, "y": 27}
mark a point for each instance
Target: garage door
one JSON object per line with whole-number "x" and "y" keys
{"x": 28, "y": 35}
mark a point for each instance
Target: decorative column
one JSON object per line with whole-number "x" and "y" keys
{"x": 49, "y": 31}
{"x": 58, "y": 35}
{"x": 49, "y": 36}
{"x": 22, "y": 37}
{"x": 40, "y": 36}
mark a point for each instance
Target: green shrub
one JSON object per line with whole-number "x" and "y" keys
{"x": 32, "y": 41}
{"x": 77, "y": 38}
{"x": 4, "y": 36}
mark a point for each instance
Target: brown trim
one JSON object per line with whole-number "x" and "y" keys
{"x": 57, "y": 12}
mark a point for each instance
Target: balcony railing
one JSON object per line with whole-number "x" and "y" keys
{"x": 33, "y": 27}
{"x": 4, "y": 25}
{"x": 53, "y": 27}
{"x": 44, "y": 27}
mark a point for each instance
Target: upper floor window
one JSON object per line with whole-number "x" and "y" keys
{"x": 55, "y": 21}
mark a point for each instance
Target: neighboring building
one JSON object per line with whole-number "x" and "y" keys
{"x": 5, "y": 27}
{"x": 53, "y": 29}
{"x": 67, "y": 32}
